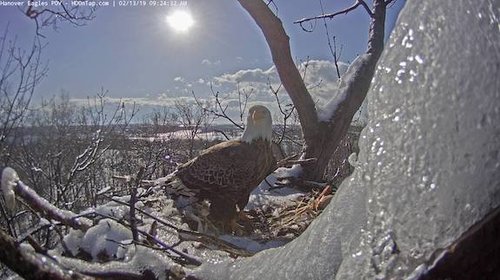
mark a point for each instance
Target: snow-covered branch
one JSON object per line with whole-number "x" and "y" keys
{"x": 25, "y": 261}
{"x": 12, "y": 187}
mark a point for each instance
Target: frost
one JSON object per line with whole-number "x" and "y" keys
{"x": 435, "y": 178}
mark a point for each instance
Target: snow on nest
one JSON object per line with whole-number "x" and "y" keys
{"x": 137, "y": 259}
{"x": 114, "y": 209}
{"x": 104, "y": 238}
{"x": 109, "y": 240}
{"x": 265, "y": 196}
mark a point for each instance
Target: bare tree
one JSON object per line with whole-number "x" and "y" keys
{"x": 67, "y": 150}
{"x": 194, "y": 119}
{"x": 322, "y": 136}
{"x": 21, "y": 71}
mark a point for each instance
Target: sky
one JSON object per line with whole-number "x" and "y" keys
{"x": 135, "y": 55}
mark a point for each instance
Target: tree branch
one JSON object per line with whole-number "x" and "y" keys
{"x": 75, "y": 15}
{"x": 278, "y": 41}
{"x": 41, "y": 205}
{"x": 345, "y": 11}
{"x": 27, "y": 263}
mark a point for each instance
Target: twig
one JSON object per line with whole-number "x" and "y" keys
{"x": 289, "y": 162}
{"x": 39, "y": 249}
{"x": 39, "y": 228}
{"x": 333, "y": 49}
{"x": 146, "y": 214}
{"x": 387, "y": 2}
{"x": 330, "y": 16}
{"x": 223, "y": 133}
{"x": 189, "y": 258}
{"x": 74, "y": 15}
{"x": 298, "y": 182}
{"x": 133, "y": 200}
{"x": 336, "y": 57}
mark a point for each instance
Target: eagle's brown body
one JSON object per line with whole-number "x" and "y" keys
{"x": 226, "y": 174}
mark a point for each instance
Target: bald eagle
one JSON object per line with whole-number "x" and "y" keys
{"x": 225, "y": 174}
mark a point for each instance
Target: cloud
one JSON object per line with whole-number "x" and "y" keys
{"x": 179, "y": 79}
{"x": 210, "y": 63}
{"x": 256, "y": 75}
{"x": 320, "y": 79}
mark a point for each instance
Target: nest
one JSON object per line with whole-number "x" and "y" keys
{"x": 291, "y": 220}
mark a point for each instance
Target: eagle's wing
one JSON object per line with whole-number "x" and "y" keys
{"x": 227, "y": 170}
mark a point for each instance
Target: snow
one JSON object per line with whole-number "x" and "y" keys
{"x": 137, "y": 259}
{"x": 144, "y": 259}
{"x": 250, "y": 245}
{"x": 108, "y": 237}
{"x": 72, "y": 241}
{"x": 182, "y": 134}
{"x": 263, "y": 196}
{"x": 104, "y": 190}
{"x": 339, "y": 94}
{"x": 9, "y": 181}
{"x": 428, "y": 166}
{"x": 109, "y": 240}
{"x": 429, "y": 157}
{"x": 114, "y": 209}
{"x": 427, "y": 170}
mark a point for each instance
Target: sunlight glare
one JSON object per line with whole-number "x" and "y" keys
{"x": 180, "y": 21}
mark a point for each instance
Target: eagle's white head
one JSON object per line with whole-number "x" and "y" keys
{"x": 259, "y": 124}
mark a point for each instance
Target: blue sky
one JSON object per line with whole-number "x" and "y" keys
{"x": 133, "y": 53}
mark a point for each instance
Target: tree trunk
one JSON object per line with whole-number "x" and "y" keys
{"x": 324, "y": 143}
{"x": 321, "y": 137}
{"x": 322, "y": 147}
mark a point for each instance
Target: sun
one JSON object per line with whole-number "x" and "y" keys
{"x": 180, "y": 21}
